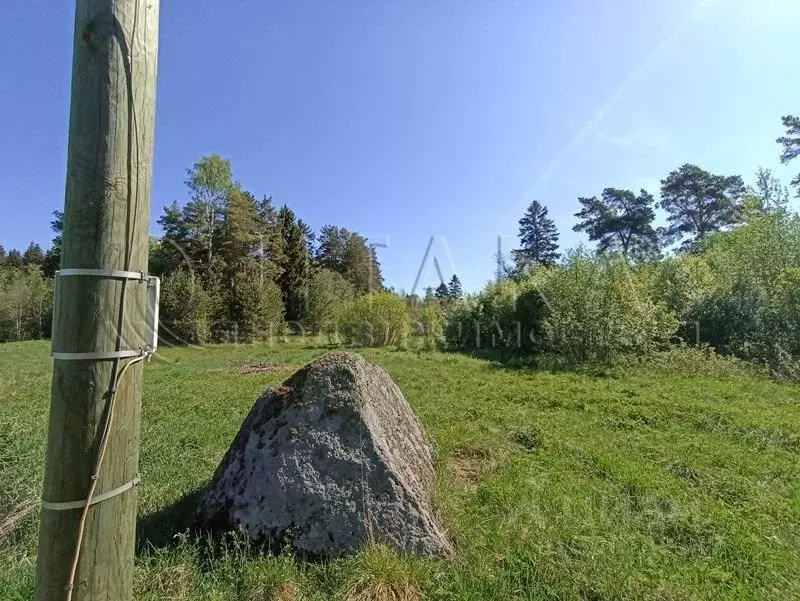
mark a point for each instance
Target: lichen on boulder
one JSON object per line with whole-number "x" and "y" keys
{"x": 330, "y": 461}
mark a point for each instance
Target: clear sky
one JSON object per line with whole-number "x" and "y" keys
{"x": 408, "y": 119}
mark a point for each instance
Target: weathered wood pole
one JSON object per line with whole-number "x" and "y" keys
{"x": 106, "y": 224}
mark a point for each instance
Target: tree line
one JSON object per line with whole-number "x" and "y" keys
{"x": 232, "y": 267}
{"x": 733, "y": 282}
{"x": 238, "y": 267}
{"x": 697, "y": 203}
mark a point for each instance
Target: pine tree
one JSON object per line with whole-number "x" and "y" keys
{"x": 538, "y": 238}
{"x": 454, "y": 288}
{"x": 270, "y": 246}
{"x": 620, "y": 221}
{"x": 239, "y": 234}
{"x": 791, "y": 144}
{"x": 698, "y": 202}
{"x": 2, "y": 255}
{"x": 361, "y": 265}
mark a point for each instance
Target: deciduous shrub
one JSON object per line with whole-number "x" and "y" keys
{"x": 432, "y": 322}
{"x": 375, "y": 320}
{"x": 589, "y": 309}
{"x": 505, "y": 315}
{"x": 750, "y": 309}
{"x": 598, "y": 308}
{"x": 26, "y": 298}
{"x": 683, "y": 284}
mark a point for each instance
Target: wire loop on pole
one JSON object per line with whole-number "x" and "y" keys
{"x": 95, "y": 499}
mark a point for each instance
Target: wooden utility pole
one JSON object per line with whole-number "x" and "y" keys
{"x": 106, "y": 226}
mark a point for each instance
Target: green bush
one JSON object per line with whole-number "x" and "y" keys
{"x": 327, "y": 294}
{"x": 590, "y": 309}
{"x": 750, "y": 309}
{"x": 258, "y": 304}
{"x": 689, "y": 360}
{"x": 599, "y": 308}
{"x": 683, "y": 284}
{"x": 375, "y": 320}
{"x": 786, "y": 308}
{"x": 432, "y": 323}
{"x": 26, "y": 300}
{"x": 187, "y": 309}
{"x": 505, "y": 315}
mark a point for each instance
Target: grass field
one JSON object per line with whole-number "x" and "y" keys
{"x": 563, "y": 485}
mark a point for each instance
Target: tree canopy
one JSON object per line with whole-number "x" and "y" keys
{"x": 620, "y": 221}
{"x": 698, "y": 202}
{"x": 791, "y": 144}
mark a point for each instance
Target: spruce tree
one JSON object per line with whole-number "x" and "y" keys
{"x": 454, "y": 288}
{"x": 538, "y": 238}
{"x": 257, "y": 304}
{"x": 296, "y": 264}
{"x": 442, "y": 293}
{"x": 14, "y": 259}
{"x": 33, "y": 255}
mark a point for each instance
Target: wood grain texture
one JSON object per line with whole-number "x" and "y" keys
{"x": 106, "y": 225}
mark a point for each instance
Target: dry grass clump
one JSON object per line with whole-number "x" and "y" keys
{"x": 383, "y": 574}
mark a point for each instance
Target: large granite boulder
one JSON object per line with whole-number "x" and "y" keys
{"x": 331, "y": 460}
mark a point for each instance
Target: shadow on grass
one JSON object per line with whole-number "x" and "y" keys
{"x": 176, "y": 525}
{"x": 323, "y": 347}
{"x": 509, "y": 360}
{"x": 162, "y": 527}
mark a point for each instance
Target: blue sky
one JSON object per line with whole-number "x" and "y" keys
{"x": 410, "y": 119}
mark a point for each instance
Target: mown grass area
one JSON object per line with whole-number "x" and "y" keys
{"x": 642, "y": 485}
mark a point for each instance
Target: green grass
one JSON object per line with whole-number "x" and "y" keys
{"x": 644, "y": 485}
